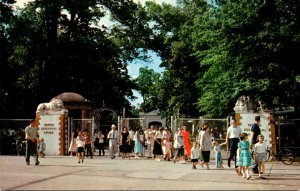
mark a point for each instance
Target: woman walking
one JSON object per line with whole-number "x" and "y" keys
{"x": 205, "y": 146}
{"x": 125, "y": 143}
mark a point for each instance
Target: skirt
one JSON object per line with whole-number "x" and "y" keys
{"x": 157, "y": 150}
{"x": 72, "y": 147}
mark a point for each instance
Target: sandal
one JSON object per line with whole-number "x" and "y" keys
{"x": 248, "y": 177}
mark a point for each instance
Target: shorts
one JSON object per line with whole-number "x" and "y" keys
{"x": 80, "y": 149}
{"x": 260, "y": 157}
{"x": 179, "y": 152}
{"x": 194, "y": 160}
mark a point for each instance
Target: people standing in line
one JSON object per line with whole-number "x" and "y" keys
{"x": 31, "y": 133}
{"x": 205, "y": 146}
{"x": 233, "y": 134}
{"x": 42, "y": 148}
{"x": 244, "y": 156}
{"x": 150, "y": 141}
{"x": 195, "y": 154}
{"x": 218, "y": 154}
{"x": 100, "y": 140}
{"x": 125, "y": 143}
{"x": 187, "y": 141}
{"x": 255, "y": 131}
{"x": 88, "y": 143}
{"x": 139, "y": 139}
{"x": 178, "y": 146}
{"x": 157, "y": 150}
{"x": 72, "y": 147}
{"x": 260, "y": 150}
{"x": 80, "y": 144}
{"x": 113, "y": 137}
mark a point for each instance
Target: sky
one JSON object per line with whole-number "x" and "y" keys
{"x": 133, "y": 67}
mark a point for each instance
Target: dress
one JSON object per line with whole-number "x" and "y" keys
{"x": 125, "y": 147}
{"x": 186, "y": 140}
{"x": 138, "y": 145}
{"x": 244, "y": 158}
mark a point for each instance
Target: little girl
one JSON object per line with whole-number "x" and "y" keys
{"x": 42, "y": 148}
{"x": 260, "y": 150}
{"x": 168, "y": 145}
{"x": 244, "y": 155}
{"x": 80, "y": 143}
{"x": 195, "y": 154}
{"x": 218, "y": 155}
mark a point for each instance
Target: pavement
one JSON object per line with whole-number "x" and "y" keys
{"x": 103, "y": 173}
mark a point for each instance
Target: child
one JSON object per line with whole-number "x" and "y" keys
{"x": 244, "y": 155}
{"x": 42, "y": 148}
{"x": 260, "y": 150}
{"x": 80, "y": 143}
{"x": 218, "y": 155}
{"x": 195, "y": 154}
{"x": 168, "y": 145}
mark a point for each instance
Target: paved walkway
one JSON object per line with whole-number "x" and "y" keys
{"x": 102, "y": 173}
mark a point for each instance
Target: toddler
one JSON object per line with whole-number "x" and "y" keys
{"x": 218, "y": 155}
{"x": 42, "y": 148}
{"x": 195, "y": 154}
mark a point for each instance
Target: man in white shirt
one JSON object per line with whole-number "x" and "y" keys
{"x": 113, "y": 137}
{"x": 234, "y": 132}
{"x": 150, "y": 140}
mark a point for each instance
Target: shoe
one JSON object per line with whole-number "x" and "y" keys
{"x": 262, "y": 177}
{"x": 37, "y": 163}
{"x": 27, "y": 162}
{"x": 82, "y": 160}
{"x": 248, "y": 177}
{"x": 78, "y": 161}
{"x": 229, "y": 164}
{"x": 174, "y": 161}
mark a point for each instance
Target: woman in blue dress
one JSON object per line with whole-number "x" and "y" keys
{"x": 244, "y": 156}
{"x": 139, "y": 139}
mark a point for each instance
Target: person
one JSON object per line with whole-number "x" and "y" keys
{"x": 232, "y": 136}
{"x": 167, "y": 143}
{"x": 80, "y": 144}
{"x": 42, "y": 148}
{"x": 244, "y": 156}
{"x": 72, "y": 147}
{"x": 31, "y": 133}
{"x": 218, "y": 154}
{"x": 88, "y": 143}
{"x": 125, "y": 143}
{"x": 131, "y": 136}
{"x": 260, "y": 150}
{"x": 100, "y": 140}
{"x": 178, "y": 146}
{"x": 139, "y": 139}
{"x": 157, "y": 150}
{"x": 195, "y": 154}
{"x": 150, "y": 141}
{"x": 255, "y": 131}
{"x": 186, "y": 140}
{"x": 113, "y": 137}
{"x": 205, "y": 146}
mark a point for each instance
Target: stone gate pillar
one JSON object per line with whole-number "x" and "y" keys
{"x": 52, "y": 126}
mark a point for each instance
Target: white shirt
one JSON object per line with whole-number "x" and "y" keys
{"x": 80, "y": 142}
{"x": 195, "y": 153}
{"x": 113, "y": 134}
{"x": 234, "y": 132}
{"x": 260, "y": 147}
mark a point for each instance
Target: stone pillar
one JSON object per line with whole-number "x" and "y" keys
{"x": 52, "y": 126}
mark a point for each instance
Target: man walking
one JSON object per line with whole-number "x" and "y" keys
{"x": 255, "y": 131}
{"x": 113, "y": 137}
{"x": 234, "y": 132}
{"x": 31, "y": 133}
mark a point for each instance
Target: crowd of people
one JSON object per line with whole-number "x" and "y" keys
{"x": 159, "y": 144}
